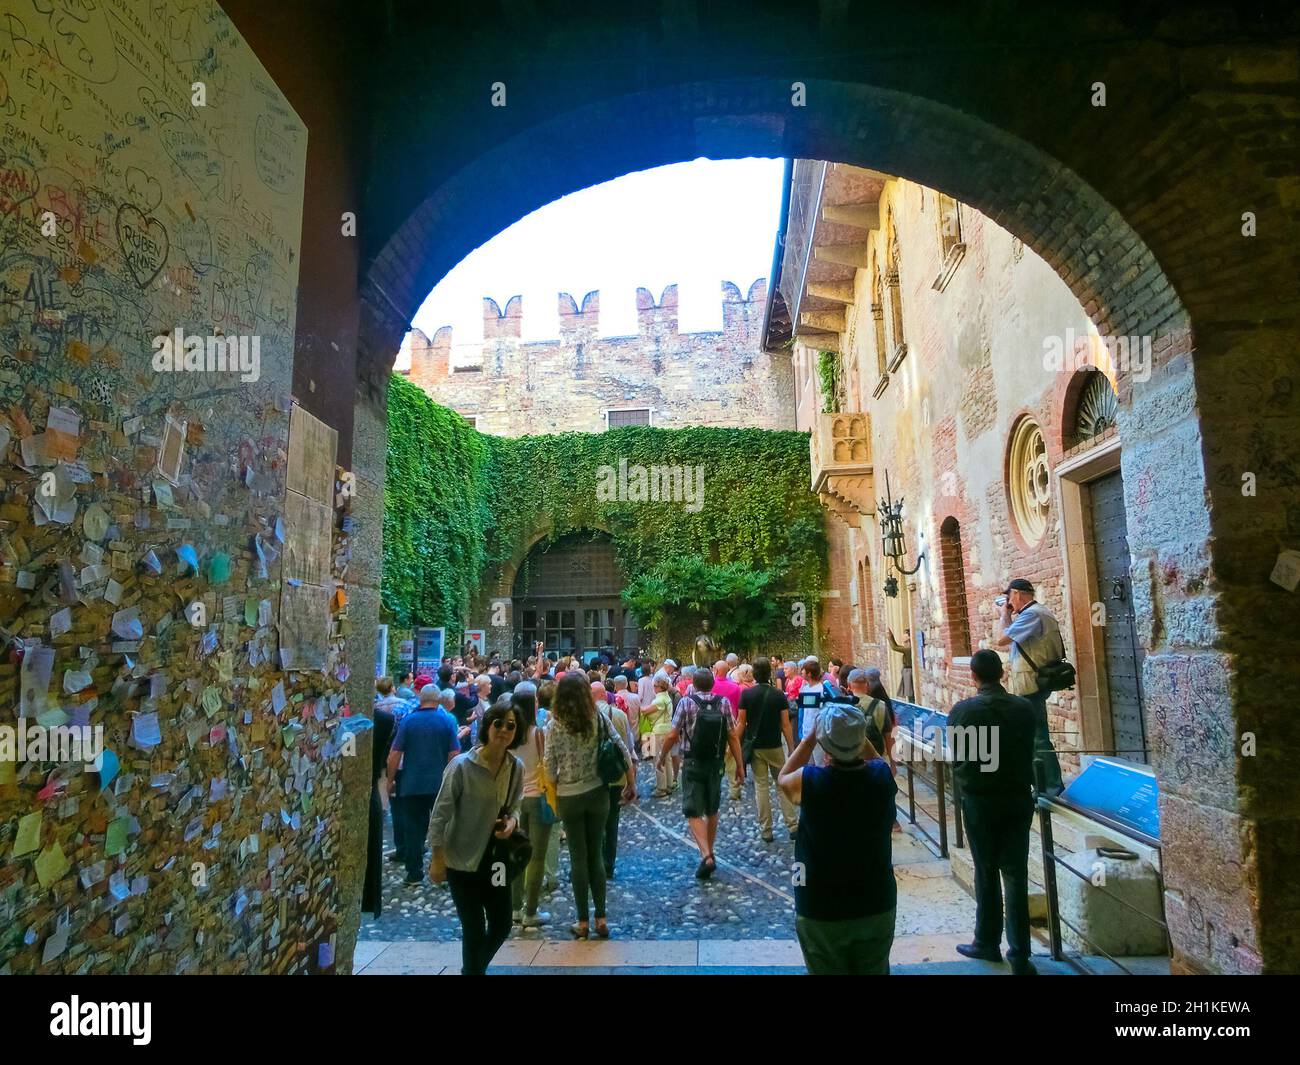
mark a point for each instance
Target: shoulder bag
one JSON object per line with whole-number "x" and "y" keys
{"x": 1054, "y": 676}
{"x": 516, "y": 850}
{"x": 610, "y": 763}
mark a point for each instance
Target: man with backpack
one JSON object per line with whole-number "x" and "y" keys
{"x": 879, "y": 715}
{"x": 704, "y": 724}
{"x": 1034, "y": 637}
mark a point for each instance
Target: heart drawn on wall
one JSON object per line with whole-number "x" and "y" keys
{"x": 144, "y": 243}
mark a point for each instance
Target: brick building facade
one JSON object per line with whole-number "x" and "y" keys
{"x": 660, "y": 376}
{"x": 959, "y": 365}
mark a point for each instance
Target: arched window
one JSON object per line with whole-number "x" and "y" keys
{"x": 1091, "y": 407}
{"x": 954, "y": 589}
{"x": 1029, "y": 480}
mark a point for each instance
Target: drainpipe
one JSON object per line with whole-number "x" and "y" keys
{"x": 778, "y": 251}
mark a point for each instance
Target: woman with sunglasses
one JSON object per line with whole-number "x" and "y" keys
{"x": 477, "y": 787}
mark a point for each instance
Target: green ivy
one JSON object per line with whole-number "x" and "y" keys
{"x": 828, "y": 371}
{"x": 458, "y": 502}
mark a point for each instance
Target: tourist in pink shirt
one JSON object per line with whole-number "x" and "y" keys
{"x": 729, "y": 690}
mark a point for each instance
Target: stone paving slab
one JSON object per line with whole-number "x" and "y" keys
{"x": 911, "y": 956}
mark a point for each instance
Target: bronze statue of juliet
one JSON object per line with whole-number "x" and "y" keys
{"x": 707, "y": 649}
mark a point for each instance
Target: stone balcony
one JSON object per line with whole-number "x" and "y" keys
{"x": 842, "y": 473}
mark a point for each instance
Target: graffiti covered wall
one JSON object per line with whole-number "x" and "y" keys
{"x": 151, "y": 181}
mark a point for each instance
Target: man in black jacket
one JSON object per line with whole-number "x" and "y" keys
{"x": 992, "y": 741}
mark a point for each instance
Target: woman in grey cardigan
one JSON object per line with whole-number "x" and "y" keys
{"x": 467, "y": 814}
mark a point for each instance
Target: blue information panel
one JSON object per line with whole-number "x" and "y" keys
{"x": 1122, "y": 791}
{"x": 428, "y": 650}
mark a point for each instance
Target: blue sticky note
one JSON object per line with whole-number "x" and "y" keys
{"x": 189, "y": 558}
{"x": 108, "y": 767}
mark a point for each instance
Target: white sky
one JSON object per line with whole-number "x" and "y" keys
{"x": 696, "y": 224}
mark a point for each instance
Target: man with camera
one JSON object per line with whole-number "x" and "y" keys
{"x": 1034, "y": 637}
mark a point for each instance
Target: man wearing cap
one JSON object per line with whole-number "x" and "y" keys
{"x": 844, "y": 887}
{"x": 996, "y": 777}
{"x": 1032, "y": 633}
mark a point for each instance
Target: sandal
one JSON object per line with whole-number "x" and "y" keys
{"x": 577, "y": 931}
{"x": 602, "y": 930}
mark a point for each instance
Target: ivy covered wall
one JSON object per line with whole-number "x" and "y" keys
{"x": 459, "y": 503}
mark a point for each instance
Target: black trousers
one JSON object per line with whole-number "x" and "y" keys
{"x": 611, "y": 828}
{"x": 413, "y": 811}
{"x": 484, "y": 912}
{"x": 998, "y": 829}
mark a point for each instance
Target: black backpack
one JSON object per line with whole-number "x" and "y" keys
{"x": 709, "y": 737}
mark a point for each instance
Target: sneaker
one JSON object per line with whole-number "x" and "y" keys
{"x": 537, "y": 920}
{"x": 577, "y": 931}
{"x": 517, "y": 916}
{"x": 413, "y": 881}
{"x": 659, "y": 794}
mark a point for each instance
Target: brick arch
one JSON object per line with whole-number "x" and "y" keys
{"x": 1228, "y": 826}
{"x": 1051, "y": 209}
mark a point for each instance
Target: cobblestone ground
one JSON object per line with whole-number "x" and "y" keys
{"x": 655, "y": 894}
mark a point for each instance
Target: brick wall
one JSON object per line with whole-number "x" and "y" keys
{"x": 516, "y": 387}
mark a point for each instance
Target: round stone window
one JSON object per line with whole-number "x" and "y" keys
{"x": 1029, "y": 480}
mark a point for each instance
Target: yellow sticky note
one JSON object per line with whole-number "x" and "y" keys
{"x": 51, "y": 864}
{"x": 29, "y": 834}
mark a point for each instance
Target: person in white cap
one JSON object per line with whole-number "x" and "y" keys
{"x": 845, "y": 893}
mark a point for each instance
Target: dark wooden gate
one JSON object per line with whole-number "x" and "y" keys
{"x": 1123, "y": 658}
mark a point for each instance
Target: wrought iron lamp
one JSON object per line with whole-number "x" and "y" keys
{"x": 890, "y": 516}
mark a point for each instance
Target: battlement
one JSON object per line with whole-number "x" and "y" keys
{"x": 655, "y": 318}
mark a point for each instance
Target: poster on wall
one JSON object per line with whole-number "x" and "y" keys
{"x": 476, "y": 641}
{"x": 381, "y": 652}
{"x": 428, "y": 649}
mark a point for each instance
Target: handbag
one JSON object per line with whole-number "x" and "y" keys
{"x": 550, "y": 803}
{"x": 1054, "y": 676}
{"x": 516, "y": 850}
{"x": 610, "y": 763}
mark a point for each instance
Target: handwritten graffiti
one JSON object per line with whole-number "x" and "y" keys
{"x": 143, "y": 243}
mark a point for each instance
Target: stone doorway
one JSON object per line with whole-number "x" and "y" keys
{"x": 567, "y": 594}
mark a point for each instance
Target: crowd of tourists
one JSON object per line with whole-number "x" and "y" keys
{"x": 491, "y": 764}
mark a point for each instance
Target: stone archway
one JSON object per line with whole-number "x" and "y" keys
{"x": 1192, "y": 666}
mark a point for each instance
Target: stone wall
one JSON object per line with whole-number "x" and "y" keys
{"x": 145, "y": 540}
{"x": 718, "y": 379}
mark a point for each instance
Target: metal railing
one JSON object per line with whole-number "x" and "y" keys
{"x": 1051, "y": 860}
{"x": 940, "y": 780}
